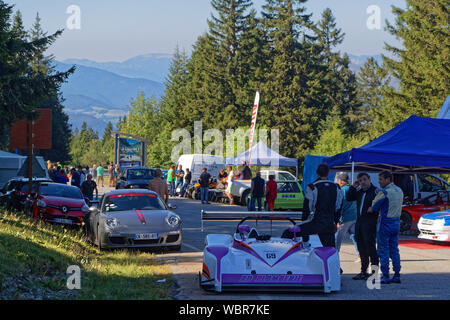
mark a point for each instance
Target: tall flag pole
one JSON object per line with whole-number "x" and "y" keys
{"x": 253, "y": 125}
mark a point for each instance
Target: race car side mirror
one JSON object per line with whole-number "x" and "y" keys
{"x": 294, "y": 230}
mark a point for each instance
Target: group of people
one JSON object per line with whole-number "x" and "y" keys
{"x": 176, "y": 178}
{"x": 84, "y": 178}
{"x": 373, "y": 212}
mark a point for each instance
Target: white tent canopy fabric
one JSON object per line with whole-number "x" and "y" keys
{"x": 262, "y": 155}
{"x": 10, "y": 164}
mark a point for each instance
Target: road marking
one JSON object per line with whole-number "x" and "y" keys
{"x": 192, "y": 247}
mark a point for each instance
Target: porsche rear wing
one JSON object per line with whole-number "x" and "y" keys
{"x": 249, "y": 215}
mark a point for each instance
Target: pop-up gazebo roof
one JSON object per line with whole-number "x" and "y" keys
{"x": 417, "y": 145}
{"x": 262, "y": 155}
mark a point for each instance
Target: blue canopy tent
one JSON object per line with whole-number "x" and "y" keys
{"x": 262, "y": 155}
{"x": 445, "y": 110}
{"x": 417, "y": 145}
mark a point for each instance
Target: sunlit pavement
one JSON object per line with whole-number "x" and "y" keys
{"x": 425, "y": 272}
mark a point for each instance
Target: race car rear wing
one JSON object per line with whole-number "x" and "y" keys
{"x": 249, "y": 215}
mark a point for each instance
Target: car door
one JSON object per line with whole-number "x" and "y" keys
{"x": 289, "y": 195}
{"x": 429, "y": 185}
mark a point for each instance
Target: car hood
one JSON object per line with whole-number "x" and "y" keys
{"x": 60, "y": 201}
{"x": 140, "y": 218}
{"x": 438, "y": 215}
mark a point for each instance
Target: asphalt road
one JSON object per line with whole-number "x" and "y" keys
{"x": 425, "y": 272}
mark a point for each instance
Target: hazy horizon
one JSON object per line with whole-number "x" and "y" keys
{"x": 117, "y": 31}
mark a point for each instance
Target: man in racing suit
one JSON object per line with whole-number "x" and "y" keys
{"x": 388, "y": 202}
{"x": 321, "y": 209}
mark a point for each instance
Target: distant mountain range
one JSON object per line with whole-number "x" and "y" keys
{"x": 99, "y": 92}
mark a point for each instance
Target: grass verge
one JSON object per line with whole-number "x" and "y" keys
{"x": 34, "y": 257}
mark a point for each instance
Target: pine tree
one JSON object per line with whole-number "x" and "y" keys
{"x": 285, "y": 97}
{"x": 371, "y": 80}
{"x": 21, "y": 88}
{"x": 422, "y": 65}
{"x": 339, "y": 81}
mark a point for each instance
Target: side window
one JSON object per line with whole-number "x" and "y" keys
{"x": 285, "y": 176}
{"x": 429, "y": 183}
{"x": 288, "y": 187}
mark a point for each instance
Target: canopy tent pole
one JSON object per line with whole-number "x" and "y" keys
{"x": 353, "y": 171}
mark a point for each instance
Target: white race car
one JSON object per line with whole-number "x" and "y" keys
{"x": 435, "y": 226}
{"x": 250, "y": 260}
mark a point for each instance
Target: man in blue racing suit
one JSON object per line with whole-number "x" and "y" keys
{"x": 389, "y": 203}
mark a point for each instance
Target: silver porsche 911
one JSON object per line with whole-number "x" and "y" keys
{"x": 133, "y": 218}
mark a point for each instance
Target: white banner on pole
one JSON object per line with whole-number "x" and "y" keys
{"x": 253, "y": 125}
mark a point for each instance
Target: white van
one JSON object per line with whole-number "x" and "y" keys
{"x": 196, "y": 162}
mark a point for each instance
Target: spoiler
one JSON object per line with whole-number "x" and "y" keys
{"x": 249, "y": 215}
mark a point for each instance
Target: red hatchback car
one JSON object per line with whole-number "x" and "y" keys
{"x": 57, "y": 203}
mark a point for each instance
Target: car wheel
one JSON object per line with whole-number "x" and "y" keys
{"x": 99, "y": 241}
{"x": 244, "y": 198}
{"x": 405, "y": 221}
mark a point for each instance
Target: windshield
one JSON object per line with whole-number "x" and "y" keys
{"x": 60, "y": 190}
{"x": 134, "y": 174}
{"x": 126, "y": 202}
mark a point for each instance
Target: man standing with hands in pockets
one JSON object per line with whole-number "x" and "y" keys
{"x": 363, "y": 192}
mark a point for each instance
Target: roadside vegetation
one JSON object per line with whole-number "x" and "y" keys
{"x": 34, "y": 257}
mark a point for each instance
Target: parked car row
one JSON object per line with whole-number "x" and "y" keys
{"x": 130, "y": 217}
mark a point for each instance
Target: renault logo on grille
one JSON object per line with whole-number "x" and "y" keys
{"x": 64, "y": 209}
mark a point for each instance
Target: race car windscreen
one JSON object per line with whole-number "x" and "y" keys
{"x": 60, "y": 190}
{"x": 134, "y": 174}
{"x": 126, "y": 202}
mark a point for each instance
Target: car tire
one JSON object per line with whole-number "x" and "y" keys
{"x": 405, "y": 221}
{"x": 99, "y": 241}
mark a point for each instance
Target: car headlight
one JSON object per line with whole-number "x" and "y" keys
{"x": 111, "y": 223}
{"x": 172, "y": 219}
{"x": 85, "y": 209}
{"x": 41, "y": 204}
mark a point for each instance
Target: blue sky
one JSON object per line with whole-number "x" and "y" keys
{"x": 115, "y": 30}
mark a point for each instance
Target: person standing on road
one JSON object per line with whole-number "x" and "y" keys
{"x": 364, "y": 192}
{"x": 348, "y": 213}
{"x": 388, "y": 202}
{"x": 180, "y": 177}
{"x": 322, "y": 209}
{"x": 111, "y": 174}
{"x": 82, "y": 175}
{"x": 94, "y": 172}
{"x": 75, "y": 178}
{"x": 60, "y": 176}
{"x": 204, "y": 180}
{"x": 88, "y": 187}
{"x": 171, "y": 179}
{"x": 257, "y": 192}
{"x": 159, "y": 186}
{"x": 187, "y": 181}
{"x": 100, "y": 171}
{"x": 230, "y": 178}
{"x": 271, "y": 192}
